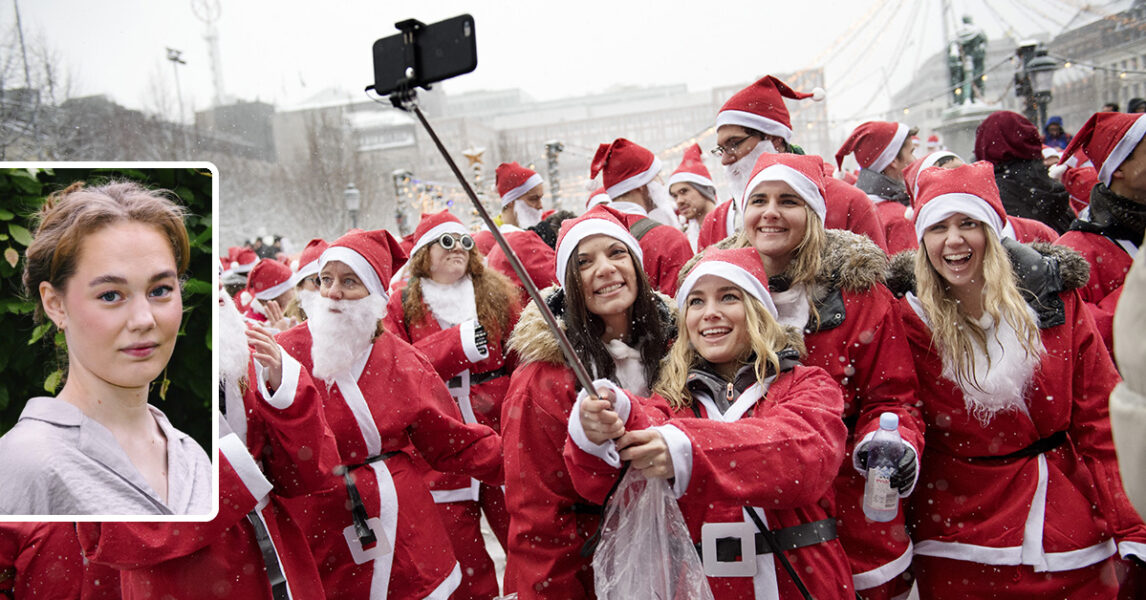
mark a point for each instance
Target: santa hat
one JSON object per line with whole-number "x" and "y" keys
{"x": 875, "y": 144}
{"x": 514, "y": 181}
{"x": 804, "y": 173}
{"x": 933, "y": 142}
{"x": 1051, "y": 152}
{"x": 434, "y": 226}
{"x": 268, "y": 280}
{"x": 372, "y": 255}
{"x": 969, "y": 189}
{"x": 307, "y": 263}
{"x": 691, "y": 169}
{"x": 911, "y": 173}
{"x": 597, "y": 197}
{"x": 242, "y": 260}
{"x": 624, "y": 166}
{"x": 1108, "y": 138}
{"x": 597, "y": 220}
{"x": 760, "y": 106}
{"x": 741, "y": 266}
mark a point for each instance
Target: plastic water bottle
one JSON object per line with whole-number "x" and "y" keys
{"x": 880, "y": 498}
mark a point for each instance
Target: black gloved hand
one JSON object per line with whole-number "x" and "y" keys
{"x": 480, "y": 339}
{"x": 904, "y": 475}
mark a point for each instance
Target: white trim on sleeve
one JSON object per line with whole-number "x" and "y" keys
{"x": 283, "y": 397}
{"x": 244, "y": 464}
{"x": 606, "y": 451}
{"x": 469, "y": 345}
{"x": 680, "y": 452}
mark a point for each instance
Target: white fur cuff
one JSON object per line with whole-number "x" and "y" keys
{"x": 1137, "y": 549}
{"x": 473, "y": 353}
{"x": 680, "y": 451}
{"x": 606, "y": 451}
{"x": 240, "y": 458}
{"x": 283, "y": 397}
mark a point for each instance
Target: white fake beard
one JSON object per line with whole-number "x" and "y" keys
{"x": 527, "y": 216}
{"x": 664, "y": 209}
{"x": 740, "y": 172}
{"x": 234, "y": 351}
{"x": 1002, "y": 386}
{"x": 340, "y": 338}
{"x": 307, "y": 300}
{"x": 452, "y": 304}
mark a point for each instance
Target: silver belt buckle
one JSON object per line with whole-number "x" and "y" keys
{"x": 362, "y": 555}
{"x": 745, "y": 533}
{"x": 463, "y": 384}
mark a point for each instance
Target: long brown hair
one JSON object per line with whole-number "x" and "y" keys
{"x": 647, "y": 326}
{"x": 494, "y": 294}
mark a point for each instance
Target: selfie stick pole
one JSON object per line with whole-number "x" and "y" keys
{"x": 405, "y": 100}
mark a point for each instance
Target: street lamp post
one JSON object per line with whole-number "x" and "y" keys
{"x": 401, "y": 179}
{"x": 1034, "y": 81}
{"x": 353, "y": 202}
{"x": 552, "y": 149}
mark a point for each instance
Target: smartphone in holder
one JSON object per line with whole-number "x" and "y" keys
{"x": 436, "y": 52}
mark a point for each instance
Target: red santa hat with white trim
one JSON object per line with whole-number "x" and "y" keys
{"x": 242, "y": 260}
{"x": 624, "y": 166}
{"x": 599, "y": 196}
{"x": 433, "y": 226}
{"x": 760, "y": 106}
{"x": 1108, "y": 139}
{"x": 268, "y": 280}
{"x": 692, "y": 169}
{"x": 597, "y": 220}
{"x": 874, "y": 143}
{"x": 741, "y": 266}
{"x": 932, "y": 142}
{"x": 514, "y": 181}
{"x": 911, "y": 173}
{"x": 307, "y": 263}
{"x": 803, "y": 173}
{"x": 372, "y": 255}
{"x": 969, "y": 189}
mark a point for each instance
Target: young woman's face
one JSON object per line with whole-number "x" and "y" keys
{"x": 608, "y": 275}
{"x": 448, "y": 266}
{"x": 955, "y": 248}
{"x": 774, "y": 220}
{"x": 122, "y": 307}
{"x": 716, "y": 320}
{"x": 340, "y": 282}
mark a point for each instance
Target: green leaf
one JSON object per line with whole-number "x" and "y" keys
{"x": 3, "y": 237}
{"x": 197, "y": 286}
{"x": 53, "y": 381}
{"x": 12, "y": 257}
{"x": 20, "y": 234}
{"x": 6, "y": 215}
{"x": 39, "y": 332}
{"x": 26, "y": 182}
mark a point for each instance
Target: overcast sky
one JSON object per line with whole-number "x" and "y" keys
{"x": 287, "y": 50}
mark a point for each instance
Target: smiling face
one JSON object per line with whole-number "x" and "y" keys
{"x": 716, "y": 321}
{"x": 955, "y": 248}
{"x": 121, "y": 309}
{"x": 448, "y": 266}
{"x": 775, "y": 221}
{"x": 608, "y": 277}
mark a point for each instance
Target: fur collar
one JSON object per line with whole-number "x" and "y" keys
{"x": 850, "y": 262}
{"x": 532, "y": 340}
{"x": 1073, "y": 269}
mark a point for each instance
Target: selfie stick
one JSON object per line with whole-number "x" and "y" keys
{"x": 405, "y": 98}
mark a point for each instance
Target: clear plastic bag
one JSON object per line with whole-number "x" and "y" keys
{"x": 645, "y": 549}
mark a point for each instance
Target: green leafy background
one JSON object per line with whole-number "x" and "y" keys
{"x": 31, "y": 358}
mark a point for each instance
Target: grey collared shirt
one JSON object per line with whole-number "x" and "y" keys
{"x": 57, "y": 461}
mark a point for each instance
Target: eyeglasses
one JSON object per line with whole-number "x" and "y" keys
{"x": 730, "y": 147}
{"x": 448, "y": 241}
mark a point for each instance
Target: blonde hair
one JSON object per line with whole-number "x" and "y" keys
{"x": 957, "y": 335}
{"x": 807, "y": 257}
{"x": 765, "y": 338}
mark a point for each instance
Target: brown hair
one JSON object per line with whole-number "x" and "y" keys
{"x": 494, "y": 294}
{"x": 77, "y": 211}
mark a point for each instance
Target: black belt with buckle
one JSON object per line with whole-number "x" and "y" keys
{"x": 1039, "y": 446}
{"x": 788, "y": 538}
{"x": 357, "y": 508}
{"x": 477, "y": 379}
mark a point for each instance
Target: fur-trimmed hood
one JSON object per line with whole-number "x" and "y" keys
{"x": 1072, "y": 268}
{"x": 850, "y": 261}
{"x": 534, "y": 342}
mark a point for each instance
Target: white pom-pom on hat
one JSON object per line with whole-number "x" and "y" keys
{"x": 1056, "y": 171}
{"x": 818, "y": 94}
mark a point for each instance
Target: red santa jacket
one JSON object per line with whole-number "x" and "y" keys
{"x": 281, "y": 448}
{"x": 535, "y": 255}
{"x": 777, "y": 448}
{"x": 847, "y": 208}
{"x": 1109, "y": 264}
{"x": 397, "y": 416}
{"x": 897, "y": 229}
{"x": 1029, "y": 230}
{"x": 44, "y": 560}
{"x": 452, "y": 353}
{"x": 1046, "y": 478}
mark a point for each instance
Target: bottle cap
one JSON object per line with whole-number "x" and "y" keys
{"x": 889, "y": 421}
